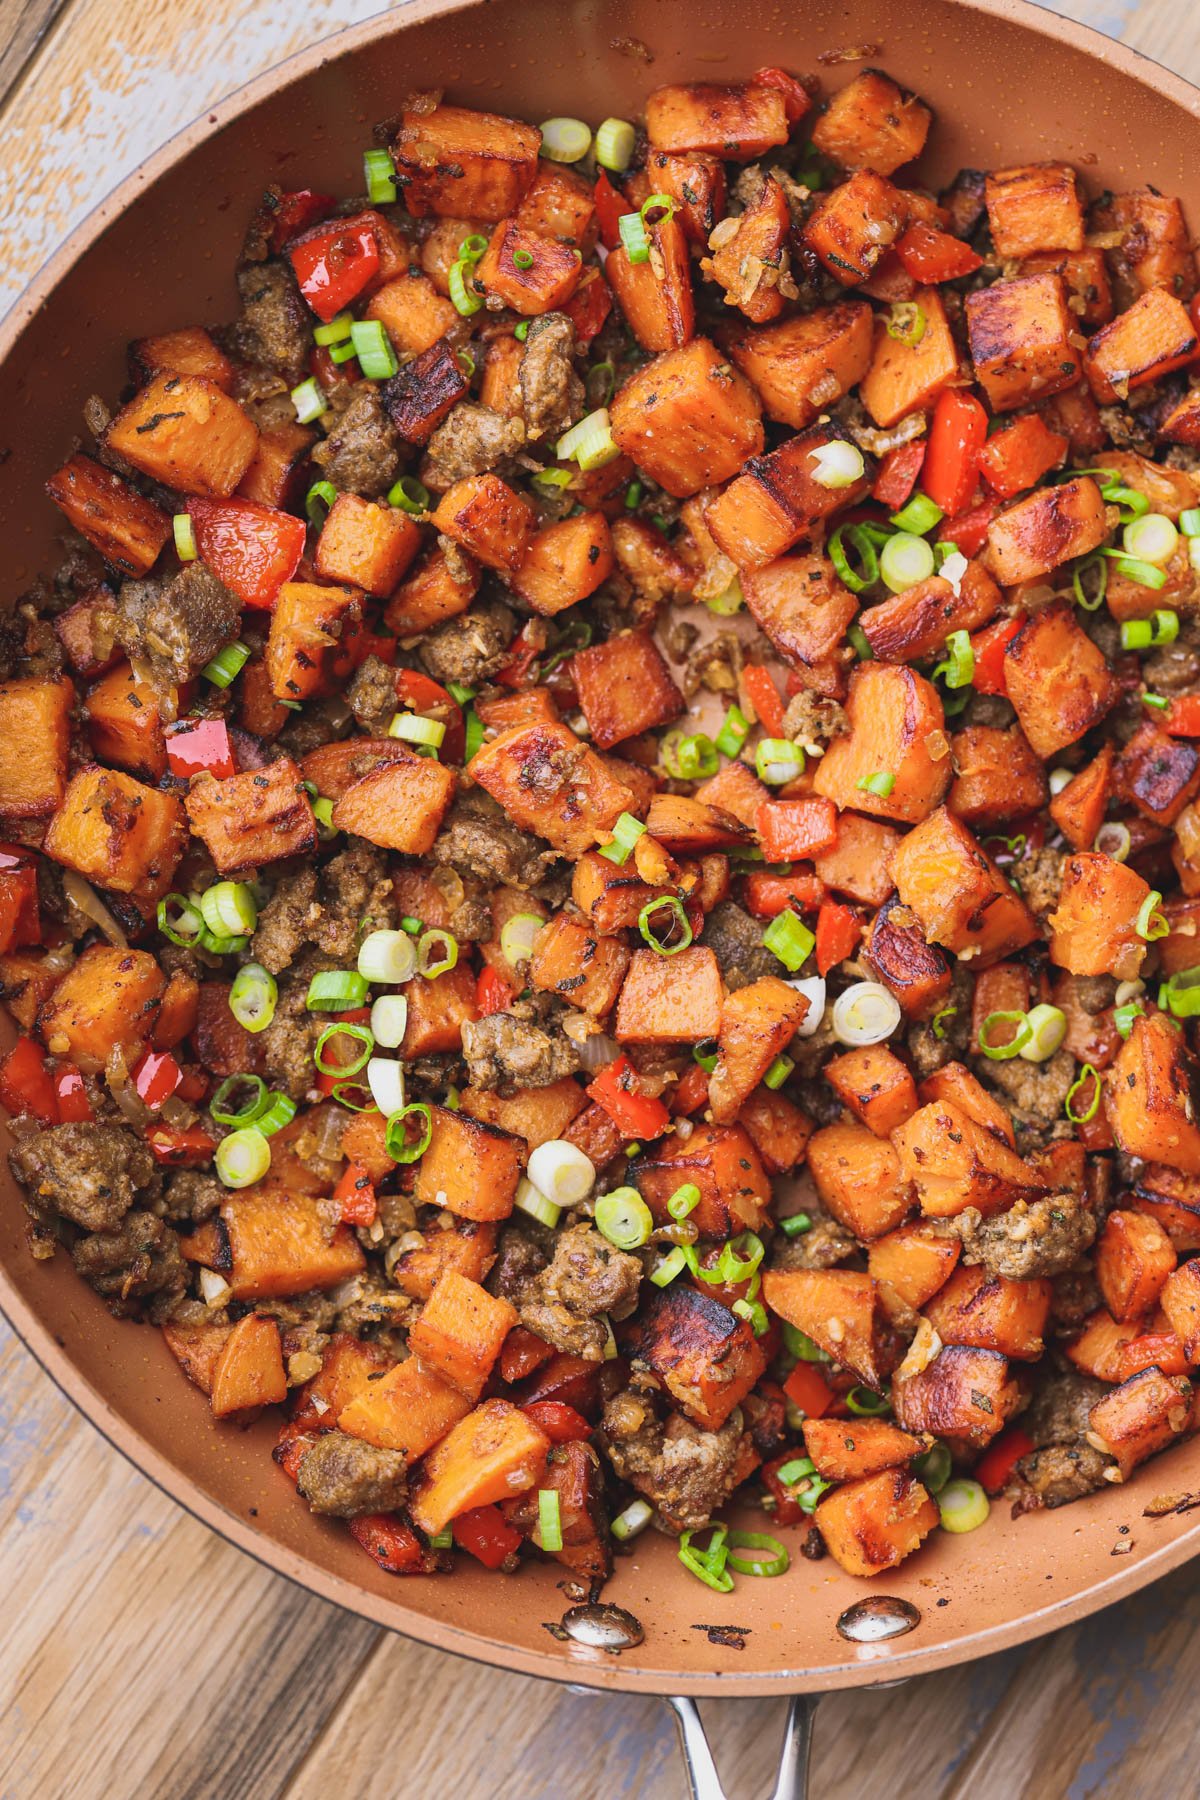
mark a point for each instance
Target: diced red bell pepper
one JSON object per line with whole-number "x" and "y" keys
{"x": 787, "y": 1509}
{"x": 764, "y": 697}
{"x": 295, "y": 212}
{"x": 957, "y": 434}
{"x": 194, "y": 1087}
{"x": 355, "y": 1195}
{"x": 793, "y": 828}
{"x": 1017, "y": 456}
{"x": 1182, "y": 717}
{"x": 637, "y": 1115}
{"x": 521, "y": 1353}
{"x": 611, "y": 206}
{"x": 421, "y": 694}
{"x": 897, "y": 474}
{"x": 194, "y": 745}
{"x": 589, "y": 306}
{"x": 969, "y": 530}
{"x": 796, "y": 98}
{"x": 988, "y": 647}
{"x": 334, "y": 263}
{"x": 252, "y": 548}
{"x": 930, "y": 255}
{"x": 71, "y": 1096}
{"x": 1153, "y": 1350}
{"x": 994, "y": 1469}
{"x": 808, "y": 1389}
{"x": 189, "y": 1148}
{"x": 394, "y": 1545}
{"x": 156, "y": 1077}
{"x": 523, "y": 652}
{"x": 291, "y": 1447}
{"x": 691, "y": 1093}
{"x": 26, "y": 1085}
{"x": 838, "y": 935}
{"x": 560, "y": 1422}
{"x": 492, "y": 993}
{"x": 20, "y": 921}
{"x": 487, "y": 1535}
{"x": 769, "y": 895}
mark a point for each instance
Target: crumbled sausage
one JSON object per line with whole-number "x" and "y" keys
{"x": 344, "y": 1477}
{"x": 471, "y": 440}
{"x": 552, "y": 395}
{"x": 361, "y": 454}
{"x": 471, "y": 648}
{"x": 587, "y": 1280}
{"x": 1030, "y": 1240}
{"x": 89, "y": 1172}
{"x": 176, "y": 628}
{"x": 687, "y": 1474}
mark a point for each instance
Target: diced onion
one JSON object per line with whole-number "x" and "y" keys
{"x": 214, "y": 1289}
{"x": 813, "y": 989}
{"x": 389, "y": 956}
{"x": 1151, "y": 539}
{"x": 1128, "y": 990}
{"x": 242, "y": 1158}
{"x": 1060, "y": 779}
{"x": 389, "y": 1020}
{"x": 529, "y": 1200}
{"x": 385, "y": 1078}
{"x": 518, "y": 936}
{"x": 615, "y": 140}
{"x": 597, "y": 1051}
{"x": 565, "y": 140}
{"x": 838, "y": 464}
{"x": 1047, "y": 1029}
{"x": 953, "y": 570}
{"x": 866, "y": 1013}
{"x": 85, "y": 899}
{"x": 562, "y": 1172}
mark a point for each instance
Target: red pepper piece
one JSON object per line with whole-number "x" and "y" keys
{"x": 394, "y": 1545}
{"x": 988, "y": 647}
{"x": 1153, "y": 1350}
{"x": 355, "y": 1194}
{"x": 611, "y": 206}
{"x": 691, "y": 1093}
{"x": 295, "y": 212}
{"x": 635, "y": 1114}
{"x": 26, "y": 1086}
{"x": 897, "y": 474}
{"x": 808, "y": 1389}
{"x": 252, "y": 548}
{"x": 421, "y": 694}
{"x": 1017, "y": 456}
{"x": 71, "y": 1096}
{"x": 194, "y": 1087}
{"x": 194, "y": 745}
{"x": 492, "y": 993}
{"x": 334, "y": 263}
{"x": 838, "y": 935}
{"x": 969, "y": 530}
{"x": 1182, "y": 717}
{"x": 764, "y": 697}
{"x": 487, "y": 1535}
{"x": 994, "y": 1468}
{"x": 769, "y": 895}
{"x": 523, "y": 652}
{"x": 156, "y": 1077}
{"x": 796, "y": 98}
{"x": 521, "y": 1353}
{"x": 787, "y": 1509}
{"x": 560, "y": 1422}
{"x": 589, "y": 306}
{"x": 930, "y": 255}
{"x": 792, "y": 828}
{"x": 957, "y": 434}
{"x": 186, "y": 1149}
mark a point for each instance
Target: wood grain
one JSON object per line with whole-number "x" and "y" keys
{"x": 23, "y": 25}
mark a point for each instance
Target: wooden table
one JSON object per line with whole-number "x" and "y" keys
{"x": 142, "y": 1655}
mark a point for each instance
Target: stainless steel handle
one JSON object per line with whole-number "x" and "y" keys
{"x": 704, "y": 1783}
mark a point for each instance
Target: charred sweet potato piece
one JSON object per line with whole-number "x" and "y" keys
{"x": 1098, "y": 1348}
{"x": 873, "y": 1524}
{"x": 849, "y": 1449}
{"x": 801, "y": 605}
{"x": 437, "y": 1011}
{"x": 997, "y": 776}
{"x": 735, "y": 790}
{"x": 777, "y": 498}
{"x": 35, "y": 738}
{"x": 577, "y": 1477}
{"x": 281, "y": 1244}
{"x": 253, "y": 818}
{"x": 1020, "y": 334}
{"x": 707, "y": 1358}
{"x": 409, "y": 1409}
{"x": 1093, "y": 930}
{"x": 688, "y": 419}
{"x": 1036, "y": 207}
{"x": 916, "y": 972}
{"x": 1180, "y": 1299}
{"x": 906, "y": 378}
{"x": 894, "y": 716}
{"x": 736, "y": 122}
{"x": 955, "y": 1163}
{"x": 128, "y": 530}
{"x": 583, "y": 970}
{"x": 1182, "y": 424}
{"x": 190, "y": 351}
{"x": 274, "y": 474}
{"x": 249, "y": 1370}
{"x": 183, "y": 431}
{"x": 964, "y": 1396}
{"x": 334, "y": 768}
{"x": 990, "y": 1312}
{"x": 493, "y": 1454}
{"x": 108, "y": 997}
{"x": 1148, "y": 1096}
{"x": 470, "y": 1168}
{"x": 1157, "y": 774}
{"x": 872, "y": 124}
{"x": 1085, "y": 276}
{"x": 656, "y": 296}
{"x": 1180, "y": 948}
{"x": 1134, "y": 1257}
{"x": 959, "y": 896}
{"x": 469, "y": 1249}
{"x": 558, "y": 205}
{"x": 124, "y": 724}
{"x": 530, "y": 273}
{"x": 536, "y": 1114}
{"x": 439, "y": 589}
{"x": 695, "y": 180}
{"x": 464, "y": 165}
{"x": 954, "y": 1082}
{"x": 825, "y": 353}
{"x": 840, "y": 1310}
{"x": 670, "y": 999}
{"x": 86, "y": 632}
{"x": 609, "y": 897}
{"x": 420, "y": 395}
{"x": 735, "y": 1190}
{"x": 748, "y": 257}
{"x": 1144, "y": 343}
{"x": 549, "y": 782}
{"x": 25, "y": 985}
{"x": 1079, "y": 809}
{"x": 399, "y": 805}
{"x": 488, "y": 519}
{"x": 1144, "y": 1414}
{"x": 911, "y": 1263}
{"x": 859, "y": 863}
{"x": 347, "y": 1365}
{"x": 306, "y": 626}
{"x": 1057, "y": 678}
{"x": 460, "y": 1330}
{"x": 117, "y": 832}
{"x": 196, "y": 1348}
{"x": 688, "y": 827}
{"x": 857, "y": 1175}
{"x": 778, "y": 1129}
{"x": 565, "y": 563}
{"x": 758, "y": 1022}
{"x": 917, "y": 622}
{"x": 875, "y": 1085}
{"x": 624, "y": 687}
{"x": 854, "y": 223}
{"x": 366, "y": 545}
{"x": 1155, "y": 250}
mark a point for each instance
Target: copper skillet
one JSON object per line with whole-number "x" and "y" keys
{"x": 1009, "y": 83}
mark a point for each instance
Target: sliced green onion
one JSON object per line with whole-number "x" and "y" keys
{"x": 788, "y": 938}
{"x": 1189, "y": 522}
{"x": 518, "y": 936}
{"x": 671, "y": 1265}
{"x": 521, "y": 331}
{"x": 860, "y": 642}
{"x": 226, "y": 665}
{"x": 881, "y": 782}
{"x": 549, "y": 1526}
{"x": 318, "y": 500}
{"x": 633, "y": 496}
{"x": 464, "y": 298}
{"x": 1180, "y": 994}
{"x": 549, "y": 481}
{"x": 865, "y": 1403}
{"x": 459, "y": 692}
{"x": 437, "y": 953}
{"x": 228, "y": 909}
{"x": 1137, "y": 634}
{"x": 410, "y": 495}
{"x": 958, "y": 670}
{"x": 778, "y": 1072}
{"x": 684, "y": 1200}
{"x": 733, "y": 732}
{"x": 802, "y": 1347}
{"x": 1047, "y": 1029}
{"x": 253, "y": 996}
{"x": 1150, "y": 923}
{"x": 337, "y": 331}
{"x": 590, "y": 443}
{"x": 522, "y": 259}
{"x": 396, "y": 1139}
{"x": 336, "y": 990}
{"x": 323, "y": 814}
{"x": 906, "y": 323}
{"x": 179, "y": 920}
{"x": 919, "y": 516}
{"x": 615, "y": 140}
{"x": 678, "y": 922}
{"x": 1086, "y": 1074}
{"x": 858, "y": 581}
{"x": 309, "y": 401}
{"x": 1159, "y": 702}
{"x": 704, "y": 1055}
{"x": 1090, "y": 565}
{"x": 626, "y": 833}
{"x": 342, "y": 353}
{"x": 772, "y": 1559}
{"x": 360, "y": 1034}
{"x": 837, "y": 464}
{"x": 380, "y": 177}
{"x": 531, "y": 1200}
{"x": 472, "y": 247}
{"x": 413, "y": 926}
{"x": 624, "y": 1218}
{"x": 385, "y": 1078}
{"x": 389, "y": 1020}
{"x": 729, "y": 601}
{"x": 414, "y": 729}
{"x": 280, "y": 1110}
{"x": 778, "y": 761}
{"x": 904, "y": 561}
{"x": 796, "y": 1225}
{"x": 185, "y": 537}
{"x": 731, "y": 1266}
{"x": 963, "y": 1506}
{"x": 634, "y": 1519}
{"x": 562, "y": 1172}
{"x": 1113, "y": 840}
{"x": 565, "y": 140}
{"x": 933, "y": 1467}
{"x": 1151, "y": 539}
{"x": 388, "y": 956}
{"x": 707, "y": 1565}
{"x": 242, "y": 1158}
{"x": 1129, "y": 502}
{"x": 691, "y": 758}
{"x": 242, "y": 1115}
{"x": 939, "y": 1021}
{"x": 634, "y": 241}
{"x": 473, "y": 738}
{"x": 1004, "y": 1052}
{"x": 1124, "y": 1016}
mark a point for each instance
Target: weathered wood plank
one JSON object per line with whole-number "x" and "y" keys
{"x": 23, "y": 27}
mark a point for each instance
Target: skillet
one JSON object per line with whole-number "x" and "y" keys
{"x": 1009, "y": 83}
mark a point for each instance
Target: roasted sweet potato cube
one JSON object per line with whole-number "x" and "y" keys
{"x": 778, "y": 498}
{"x": 281, "y": 1244}
{"x": 1057, "y": 679}
{"x": 823, "y": 352}
{"x": 1020, "y": 334}
{"x": 893, "y": 714}
{"x": 1182, "y": 424}
{"x": 997, "y": 776}
{"x": 117, "y": 832}
{"x": 625, "y": 687}
{"x": 1126, "y": 598}
{"x": 656, "y": 296}
{"x": 463, "y": 164}
{"x": 584, "y": 970}
{"x": 25, "y": 984}
{"x": 1144, "y": 343}
{"x": 252, "y": 818}
{"x": 696, "y": 182}
{"x": 850, "y": 1449}
{"x": 558, "y": 205}
{"x": 609, "y": 897}
{"x": 916, "y": 623}
{"x": 499, "y": 387}
{"x": 470, "y": 1168}
{"x": 854, "y": 223}
{"x": 688, "y": 419}
{"x": 85, "y": 632}
{"x": 707, "y": 1358}
{"x": 1033, "y": 208}
{"x": 196, "y": 1348}
{"x": 460, "y": 1330}
{"x": 366, "y": 544}
{"x": 1173, "y": 1199}
{"x": 916, "y": 972}
{"x": 124, "y": 724}
{"x": 960, "y": 898}
{"x": 1085, "y": 276}
{"x": 437, "y": 1011}
{"x": 875, "y": 1085}
{"x": 1144, "y": 1414}
{"x": 801, "y": 605}
{"x": 857, "y": 1175}
{"x": 347, "y": 1365}
{"x": 549, "y": 782}
{"x": 334, "y": 768}
{"x": 530, "y": 273}
{"x": 954, "y": 1082}
{"x": 1179, "y": 949}
{"x": 1098, "y": 1348}
{"x": 911, "y": 1263}
{"x": 1155, "y": 248}
{"x": 873, "y": 1524}
{"x": 399, "y": 805}
{"x": 735, "y": 790}
{"x": 419, "y": 396}
{"x": 539, "y": 1115}
{"x": 1157, "y": 774}
{"x": 736, "y": 123}
{"x": 488, "y": 519}
{"x": 306, "y": 625}
{"x": 872, "y": 124}
{"x": 190, "y": 351}
{"x": 183, "y": 431}
{"x": 565, "y": 563}
{"x": 35, "y": 738}
{"x": 840, "y": 1310}
{"x": 468, "y": 1248}
{"x": 955, "y": 1163}
{"x": 778, "y": 1129}
{"x": 1093, "y": 929}
{"x": 670, "y": 999}
{"x": 440, "y": 589}
{"x": 991, "y": 1312}
{"x": 128, "y": 530}
{"x": 414, "y": 314}
{"x": 493, "y": 1454}
{"x": 249, "y": 1371}
{"x": 1148, "y": 1096}
{"x": 1078, "y": 810}
{"x": 275, "y": 474}
{"x": 107, "y": 997}
{"x": 747, "y": 261}
{"x": 720, "y": 1160}
{"x": 859, "y": 863}
{"x": 758, "y": 1022}
{"x": 964, "y": 1396}
{"x": 1180, "y": 1298}
{"x": 906, "y": 378}
{"x": 1134, "y": 1257}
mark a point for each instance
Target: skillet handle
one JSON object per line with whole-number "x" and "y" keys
{"x": 704, "y": 1783}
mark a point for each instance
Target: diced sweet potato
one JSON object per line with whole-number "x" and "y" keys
{"x": 736, "y": 122}
{"x": 990, "y": 1312}
{"x": 875, "y": 1085}
{"x": 757, "y": 1024}
{"x": 493, "y": 1454}
{"x": 179, "y": 1011}
{"x": 252, "y": 818}
{"x": 281, "y": 1243}
{"x": 437, "y": 1011}
{"x": 954, "y": 1082}
{"x": 859, "y": 863}
{"x": 857, "y": 1175}
{"x": 1182, "y": 424}
{"x": 1144, "y": 343}
{"x": 183, "y": 431}
{"x": 539, "y": 1115}
{"x": 274, "y": 476}
{"x": 86, "y": 632}
{"x": 249, "y": 1371}
{"x": 840, "y": 1310}
{"x": 801, "y": 605}
{"x": 873, "y": 1524}
{"x": 1057, "y": 679}
{"x": 1180, "y": 1299}
{"x": 1180, "y": 949}
{"x": 720, "y": 1160}
{"x": 911, "y": 1263}
{"x": 1126, "y": 598}
{"x": 549, "y": 782}
{"x": 747, "y": 260}
{"x": 1085, "y": 276}
{"x": 594, "y": 1133}
{"x": 964, "y": 1396}
{"x": 422, "y": 392}
{"x": 366, "y": 544}
{"x": 1036, "y": 207}
{"x": 854, "y": 223}
{"x": 565, "y": 563}
{"x": 777, "y": 498}
{"x": 25, "y": 985}
{"x": 470, "y": 1168}
{"x": 906, "y": 378}
{"x": 1157, "y": 774}
{"x": 824, "y": 352}
{"x": 872, "y": 124}
{"x": 688, "y": 419}
{"x": 916, "y": 623}
{"x": 849, "y": 1449}
{"x": 117, "y": 832}
{"x": 463, "y": 164}
{"x": 558, "y": 205}
{"x": 1155, "y": 250}
{"x": 1020, "y": 334}
{"x": 959, "y": 896}
{"x": 460, "y": 1330}
{"x": 1148, "y": 1096}
{"x": 955, "y": 1163}
{"x": 585, "y": 970}
{"x": 306, "y": 625}
{"x": 1079, "y": 809}
{"x": 35, "y": 739}
{"x": 530, "y": 273}
{"x": 409, "y": 1410}
{"x": 778, "y": 1129}
{"x": 656, "y": 296}
{"x": 706, "y": 1357}
{"x": 399, "y": 805}
{"x": 412, "y": 312}
{"x": 609, "y": 897}
{"x": 438, "y": 590}
{"x": 469, "y": 1249}
{"x": 107, "y": 997}
{"x": 1134, "y": 1257}
{"x": 695, "y": 180}
{"x": 347, "y": 1365}
{"x": 1093, "y": 929}
{"x": 625, "y": 687}
{"x": 488, "y": 519}
{"x": 123, "y": 723}
{"x": 196, "y": 1348}
{"x": 670, "y": 999}
{"x": 895, "y": 720}
{"x": 499, "y": 387}
{"x": 334, "y": 768}
{"x": 1144, "y": 1414}
{"x": 128, "y": 530}
{"x": 997, "y": 776}
{"x": 1098, "y": 1348}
